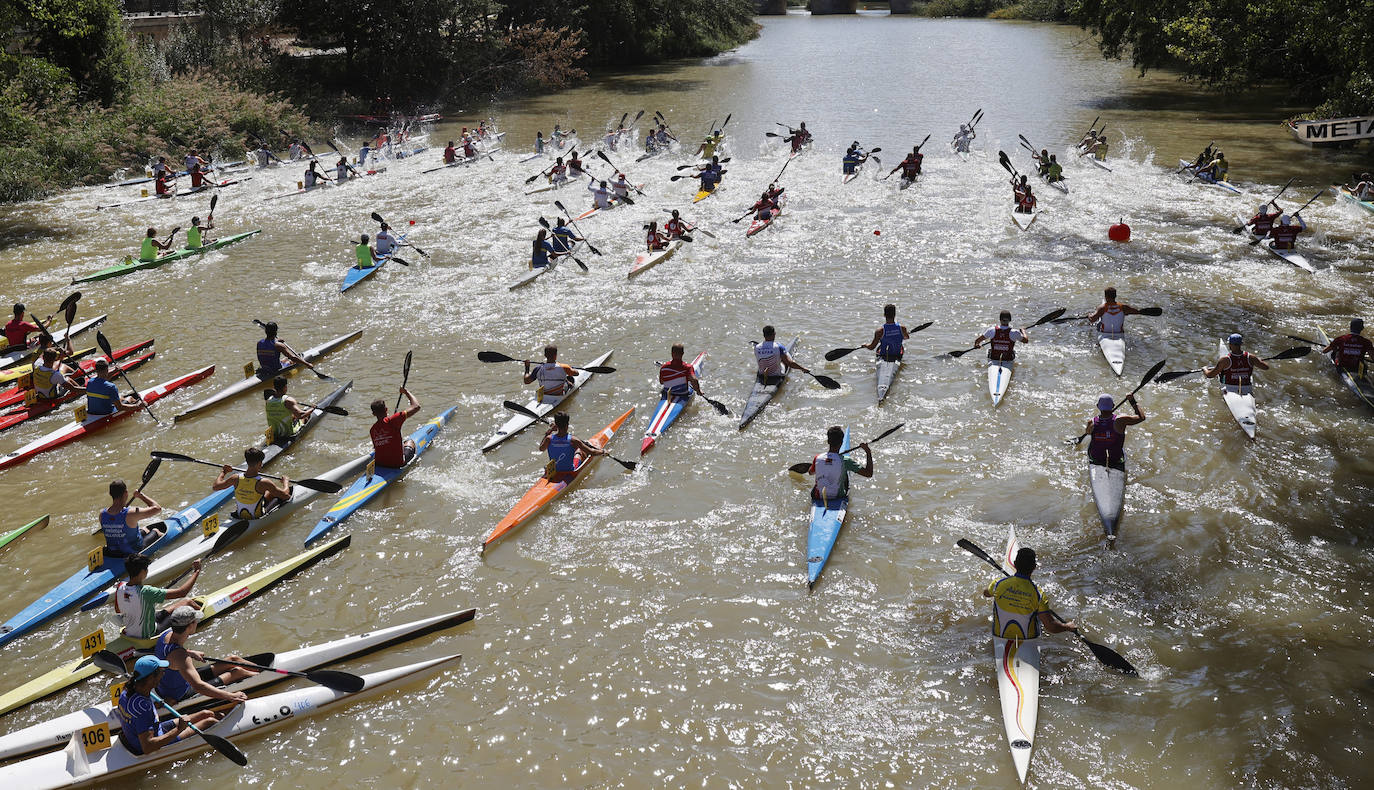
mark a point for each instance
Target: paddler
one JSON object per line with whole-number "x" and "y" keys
{"x": 677, "y": 377}
{"x": 263, "y": 155}
{"x": 1285, "y": 234}
{"x": 152, "y": 249}
{"x": 853, "y": 158}
{"x": 450, "y": 154}
{"x": 270, "y": 350}
{"x": 887, "y": 339}
{"x": 1263, "y": 221}
{"x": 655, "y": 239}
{"x": 469, "y": 147}
{"x": 197, "y": 177}
{"x": 601, "y": 196}
{"x": 651, "y": 141}
{"x": 575, "y": 168}
{"x": 556, "y": 137}
{"x": 764, "y": 207}
{"x": 284, "y": 414}
{"x": 386, "y": 243}
{"x": 1108, "y": 431}
{"x": 543, "y": 251}
{"x": 254, "y": 494}
{"x": 539, "y": 142}
{"x": 710, "y": 175}
{"x": 1042, "y": 161}
{"x": 366, "y": 253}
{"x": 1099, "y": 147}
{"x": 1218, "y": 168}
{"x": 1019, "y": 608}
{"x": 341, "y": 169}
{"x": 910, "y": 166}
{"x": 1351, "y": 349}
{"x": 161, "y": 168}
{"x": 554, "y": 378}
{"x": 800, "y": 137}
{"x": 195, "y": 238}
{"x": 363, "y": 152}
{"x": 389, "y": 448}
{"x": 564, "y": 239}
{"x": 1025, "y": 202}
{"x": 102, "y": 395}
{"x": 1203, "y": 158}
{"x": 710, "y": 144}
{"x": 140, "y": 730}
{"x": 564, "y": 449}
{"x": 1054, "y": 172}
{"x": 677, "y": 228}
{"x": 1364, "y": 187}
{"x": 665, "y": 137}
{"x": 50, "y": 376}
{"x": 1111, "y": 314}
{"x": 1237, "y": 367}
{"x": 182, "y": 679}
{"x": 119, "y": 522}
{"x": 620, "y": 186}
{"x": 558, "y": 172}
{"x": 17, "y": 330}
{"x": 163, "y": 185}
{"x": 313, "y": 176}
{"x": 964, "y": 138}
{"x": 831, "y": 469}
{"x": 1002, "y": 339}
{"x": 143, "y": 608}
{"x": 773, "y": 359}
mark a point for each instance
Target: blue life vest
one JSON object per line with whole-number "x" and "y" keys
{"x": 561, "y": 450}
{"x": 890, "y": 347}
{"x": 120, "y": 538}
{"x": 269, "y": 358}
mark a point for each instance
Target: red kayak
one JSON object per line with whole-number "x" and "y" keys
{"x": 79, "y": 430}
{"x": 21, "y": 414}
{"x": 15, "y": 395}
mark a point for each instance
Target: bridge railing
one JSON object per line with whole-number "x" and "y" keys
{"x": 154, "y": 7}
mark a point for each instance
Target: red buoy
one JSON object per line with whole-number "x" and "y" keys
{"x": 1120, "y": 231}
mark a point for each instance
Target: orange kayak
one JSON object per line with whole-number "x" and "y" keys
{"x": 543, "y": 492}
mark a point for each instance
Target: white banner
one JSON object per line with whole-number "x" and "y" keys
{"x": 1333, "y": 130}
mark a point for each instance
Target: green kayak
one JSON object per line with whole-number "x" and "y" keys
{"x": 129, "y": 265}
{"x": 13, "y": 535}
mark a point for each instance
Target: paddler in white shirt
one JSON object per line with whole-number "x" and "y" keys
{"x": 1111, "y": 314}
{"x": 554, "y": 377}
{"x": 386, "y": 243}
{"x": 620, "y": 186}
{"x": 600, "y": 195}
{"x": 773, "y": 358}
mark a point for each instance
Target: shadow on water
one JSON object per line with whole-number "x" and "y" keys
{"x": 20, "y": 231}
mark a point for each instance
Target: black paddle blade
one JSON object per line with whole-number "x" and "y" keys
{"x": 801, "y": 468}
{"x": 518, "y": 409}
{"x": 631, "y": 465}
{"x": 70, "y": 301}
{"x": 323, "y": 486}
{"x": 1152, "y": 311}
{"x": 166, "y": 456}
{"x": 1109, "y": 657}
{"x": 378, "y": 218}
{"x": 599, "y": 369}
{"x": 225, "y": 748}
{"x": 826, "y": 381}
{"x": 1050, "y": 316}
{"x": 104, "y": 343}
{"x": 214, "y": 201}
{"x": 835, "y": 353}
{"x": 109, "y": 661}
{"x": 957, "y": 354}
{"x": 336, "y": 680}
{"x": 70, "y": 313}
{"x": 494, "y": 356}
{"x": 972, "y": 548}
{"x": 1303, "y": 340}
{"x": 150, "y": 470}
{"x": 926, "y": 325}
{"x": 1293, "y": 353}
{"x": 544, "y": 222}
{"x": 1176, "y": 374}
{"x": 718, "y": 406}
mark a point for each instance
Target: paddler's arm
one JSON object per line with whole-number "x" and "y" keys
{"x": 529, "y": 376}
{"x": 867, "y": 470}
{"x": 181, "y": 662}
{"x": 270, "y": 489}
{"x": 587, "y": 449}
{"x": 228, "y": 478}
{"x": 1126, "y": 419}
{"x": 185, "y": 588}
{"x": 1221, "y": 367}
{"x": 877, "y": 337}
{"x": 788, "y": 361}
{"x": 290, "y": 353}
{"x": 414, "y": 407}
{"x": 1257, "y": 362}
{"x": 1099, "y": 312}
{"x": 1053, "y": 626}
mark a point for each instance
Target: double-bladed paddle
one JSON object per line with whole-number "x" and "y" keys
{"x": 684, "y": 167}
{"x": 104, "y": 344}
{"x": 1150, "y": 311}
{"x": 1146, "y": 379}
{"x": 496, "y": 356}
{"x": 692, "y": 225}
{"x": 1104, "y": 654}
{"x": 378, "y": 219}
{"x": 802, "y": 467}
{"x": 1292, "y": 353}
{"x": 899, "y": 165}
{"x": 569, "y": 215}
{"x": 405, "y": 377}
{"x": 607, "y": 160}
{"x": 836, "y": 353}
{"x": 323, "y": 486}
{"x": 321, "y": 376}
{"x": 346, "y": 682}
{"x": 1045, "y": 319}
{"x": 1241, "y": 228}
{"x": 518, "y": 409}
{"x": 568, "y": 252}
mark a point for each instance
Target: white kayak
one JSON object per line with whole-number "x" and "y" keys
{"x": 999, "y": 378}
{"x": 1113, "y": 346}
{"x": 1095, "y": 161}
{"x": 648, "y": 260}
{"x": 887, "y": 373}
{"x": 1291, "y": 256}
{"x": 1109, "y": 495}
{"x": 1240, "y": 400}
{"x": 520, "y": 422}
{"x": 74, "y": 767}
{"x": 1018, "y": 684}
{"x": 1024, "y": 221}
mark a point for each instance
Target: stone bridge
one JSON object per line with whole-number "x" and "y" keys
{"x": 819, "y": 7}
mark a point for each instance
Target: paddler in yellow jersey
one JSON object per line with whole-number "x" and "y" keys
{"x": 50, "y": 376}
{"x": 1019, "y": 608}
{"x": 254, "y": 494}
{"x": 710, "y": 144}
{"x": 367, "y": 254}
{"x": 284, "y": 414}
{"x": 195, "y": 235}
{"x": 153, "y": 249}
{"x": 554, "y": 377}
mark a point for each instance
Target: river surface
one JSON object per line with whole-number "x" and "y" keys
{"x": 654, "y": 629}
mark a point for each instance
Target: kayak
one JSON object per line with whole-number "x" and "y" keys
{"x": 1206, "y": 179}
{"x": 15, "y": 534}
{"x": 1240, "y": 401}
{"x": 999, "y": 378}
{"x": 549, "y": 187}
{"x": 1059, "y": 185}
{"x": 222, "y": 600}
{"x": 258, "y": 380}
{"x": 214, "y": 166}
{"x": 15, "y": 395}
{"x": 905, "y": 184}
{"x": 54, "y": 733}
{"x": 763, "y": 391}
{"x": 1024, "y": 221}
{"x": 73, "y": 767}
{"x": 533, "y": 274}
{"x": 520, "y": 422}
{"x": 1113, "y": 346}
{"x": 19, "y": 371}
{"x": 355, "y": 275}
{"x": 615, "y": 202}
{"x": 11, "y": 358}
{"x": 847, "y": 177}
{"x": 806, "y": 146}
{"x": 648, "y": 260}
{"x": 95, "y": 422}
{"x": 543, "y": 492}
{"x": 376, "y": 479}
{"x": 702, "y": 194}
{"x": 887, "y": 373}
{"x": 1018, "y": 684}
{"x": 1348, "y": 196}
{"x": 1357, "y": 382}
{"x": 1109, "y": 495}
{"x": 129, "y": 265}
{"x": 1292, "y": 256}
{"x": 669, "y": 408}
{"x": 465, "y": 160}
{"x": 826, "y": 520}
{"x": 21, "y": 413}
{"x": 756, "y": 225}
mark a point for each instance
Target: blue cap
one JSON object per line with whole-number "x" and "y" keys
{"x": 147, "y": 665}
{"x": 1105, "y": 402}
{"x": 1234, "y": 339}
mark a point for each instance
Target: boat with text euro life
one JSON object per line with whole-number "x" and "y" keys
{"x": 129, "y": 265}
{"x": 75, "y": 767}
{"x": 1328, "y": 132}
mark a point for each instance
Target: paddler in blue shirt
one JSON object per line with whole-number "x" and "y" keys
{"x": 119, "y": 522}
{"x": 564, "y": 449}
{"x": 887, "y": 339}
{"x": 271, "y": 350}
{"x": 853, "y": 158}
{"x": 102, "y": 395}
{"x": 563, "y": 237}
{"x": 710, "y": 174}
{"x": 140, "y": 730}
{"x": 543, "y": 251}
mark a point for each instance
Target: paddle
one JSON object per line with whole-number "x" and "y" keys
{"x": 109, "y": 661}
{"x": 835, "y": 353}
{"x": 694, "y": 175}
{"x": 684, "y": 167}
{"x": 1203, "y": 151}
{"x": 518, "y": 409}
{"x": 804, "y": 466}
{"x": 378, "y": 219}
{"x": 569, "y": 215}
{"x": 602, "y": 155}
{"x": 104, "y": 344}
{"x": 321, "y": 376}
{"x": 1150, "y": 311}
{"x": 323, "y": 486}
{"x": 1006, "y": 162}
{"x": 1104, "y": 654}
{"x": 496, "y": 356}
{"x": 1093, "y": 127}
{"x": 334, "y": 679}
{"x": 330, "y": 143}
{"x": 405, "y": 377}
{"x": 1241, "y": 228}
{"x": 899, "y": 166}
{"x": 342, "y": 412}
{"x": 568, "y": 252}
{"x": 1050, "y": 316}
{"x": 1146, "y": 379}
{"x": 68, "y": 311}
{"x": 1292, "y": 353}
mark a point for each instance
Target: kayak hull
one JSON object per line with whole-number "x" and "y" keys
{"x": 1113, "y": 348}
{"x": 12, "y": 358}
{"x": 1018, "y": 686}
{"x": 1224, "y": 186}
{"x": 1240, "y": 401}
{"x": 355, "y": 275}
{"x": 520, "y": 422}
{"x": 15, "y": 534}
{"x": 648, "y": 260}
{"x": 999, "y": 379}
{"x": 887, "y": 374}
{"x": 827, "y": 519}
{"x": 259, "y": 381}
{"x": 1349, "y": 197}
{"x": 1108, "y": 488}
{"x": 1289, "y": 256}
{"x": 129, "y": 265}
{"x": 1024, "y": 221}
{"x": 669, "y": 408}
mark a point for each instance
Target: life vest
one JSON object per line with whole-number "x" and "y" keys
{"x": 769, "y": 356}
{"x": 656, "y": 241}
{"x": 193, "y": 239}
{"x": 911, "y": 166}
{"x": 121, "y": 540}
{"x": 279, "y": 417}
{"x": 364, "y": 254}
{"x": 43, "y": 385}
{"x": 675, "y": 227}
{"x": 197, "y": 178}
{"x": 562, "y": 452}
{"x": 1348, "y": 353}
{"x": 830, "y": 475}
{"x": 674, "y": 377}
{"x": 539, "y": 258}
{"x": 160, "y": 185}
{"x": 553, "y": 378}
{"x": 1113, "y": 321}
{"x": 450, "y": 155}
{"x": 269, "y": 358}
{"x": 1284, "y": 236}
{"x": 1108, "y": 444}
{"x": 386, "y": 243}
{"x": 1263, "y": 223}
{"x": 341, "y": 172}
{"x": 1002, "y": 347}
{"x": 249, "y": 501}
{"x": 1026, "y": 201}
{"x": 890, "y": 346}
{"x": 1240, "y": 371}
{"x": 148, "y": 252}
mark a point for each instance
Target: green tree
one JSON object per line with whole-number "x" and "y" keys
{"x": 83, "y": 38}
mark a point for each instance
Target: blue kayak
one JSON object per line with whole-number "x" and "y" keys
{"x": 355, "y": 275}
{"x": 365, "y": 488}
{"x": 669, "y": 407}
{"x": 826, "y": 521}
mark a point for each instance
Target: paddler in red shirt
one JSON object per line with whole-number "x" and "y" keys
{"x": 655, "y": 239}
{"x": 17, "y": 331}
{"x": 1263, "y": 221}
{"x": 677, "y": 377}
{"x": 450, "y": 155}
{"x": 390, "y": 449}
{"x": 1285, "y": 234}
{"x": 1350, "y": 350}
{"x": 676, "y": 228}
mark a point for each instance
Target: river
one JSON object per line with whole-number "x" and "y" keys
{"x": 654, "y": 628}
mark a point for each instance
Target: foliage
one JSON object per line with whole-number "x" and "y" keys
{"x": 620, "y": 32}
{"x": 84, "y": 39}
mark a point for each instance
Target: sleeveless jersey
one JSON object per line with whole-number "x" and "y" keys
{"x": 830, "y": 475}
{"x": 562, "y": 452}
{"x": 1240, "y": 371}
{"x": 769, "y": 356}
{"x": 890, "y": 346}
{"x": 279, "y": 418}
{"x": 1003, "y": 346}
{"x": 1349, "y": 350}
{"x": 364, "y": 255}
{"x": 1108, "y": 444}
{"x": 673, "y": 376}
{"x": 193, "y": 238}
{"x": 173, "y": 686}
{"x": 1016, "y": 605}
{"x": 269, "y": 358}
{"x": 553, "y": 378}
{"x": 1284, "y": 236}
{"x": 147, "y": 252}
{"x": 248, "y": 501}
{"x": 1113, "y": 321}
{"x": 120, "y": 538}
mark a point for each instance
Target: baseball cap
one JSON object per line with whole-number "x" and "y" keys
{"x": 1105, "y": 402}
{"x": 184, "y": 615}
{"x": 147, "y": 665}
{"x": 1234, "y": 339}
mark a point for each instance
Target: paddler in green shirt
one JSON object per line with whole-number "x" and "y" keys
{"x": 284, "y": 414}
{"x": 152, "y": 248}
{"x": 367, "y": 254}
{"x": 1055, "y": 171}
{"x": 194, "y": 239}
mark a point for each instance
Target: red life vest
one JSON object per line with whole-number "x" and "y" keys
{"x": 1262, "y": 223}
{"x": 450, "y": 155}
{"x": 557, "y": 171}
{"x": 1002, "y": 346}
{"x": 197, "y": 178}
{"x": 1240, "y": 371}
{"x": 675, "y": 227}
{"x": 1284, "y": 235}
{"x": 1108, "y": 443}
{"x": 1349, "y": 351}
{"x": 1026, "y": 201}
{"x": 656, "y": 241}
